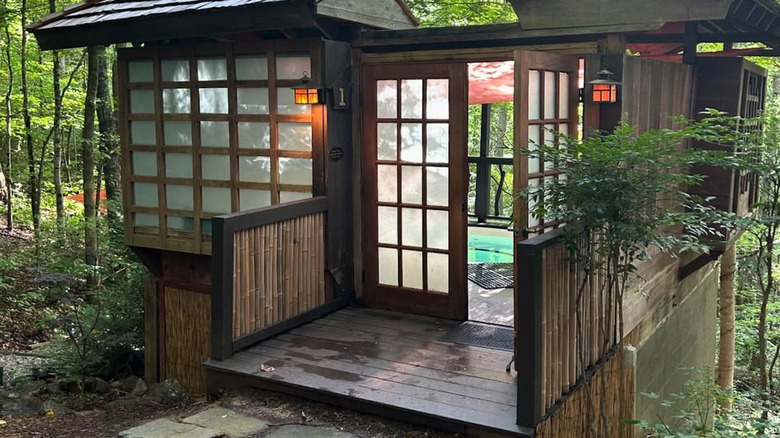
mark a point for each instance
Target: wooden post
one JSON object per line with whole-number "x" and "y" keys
{"x": 151, "y": 344}
{"x": 528, "y": 341}
{"x": 690, "y": 41}
{"x": 222, "y": 290}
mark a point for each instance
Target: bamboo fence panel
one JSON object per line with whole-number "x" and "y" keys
{"x": 278, "y": 272}
{"x": 187, "y": 338}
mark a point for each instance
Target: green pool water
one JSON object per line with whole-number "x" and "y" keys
{"x": 490, "y": 249}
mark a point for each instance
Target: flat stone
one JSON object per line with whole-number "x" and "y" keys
{"x": 296, "y": 431}
{"x": 163, "y": 428}
{"x": 230, "y": 423}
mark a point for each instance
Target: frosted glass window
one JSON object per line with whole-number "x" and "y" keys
{"x": 549, "y": 140}
{"x": 179, "y": 197}
{"x": 214, "y": 134}
{"x": 438, "y": 272}
{"x": 549, "y": 95}
{"x": 146, "y": 220}
{"x": 387, "y": 183}
{"x": 412, "y": 269}
{"x": 175, "y": 70}
{"x": 215, "y": 167}
{"x": 412, "y": 226}
{"x": 563, "y": 96}
{"x": 437, "y": 99}
{"x": 295, "y": 171}
{"x": 438, "y": 147}
{"x": 177, "y": 133}
{"x": 295, "y": 136}
{"x": 254, "y": 169}
{"x": 145, "y": 195}
{"x": 386, "y": 99}
{"x": 144, "y": 163}
{"x": 213, "y": 100}
{"x": 251, "y": 68}
{"x": 388, "y": 266}
{"x": 534, "y": 95}
{"x": 206, "y": 226}
{"x": 177, "y": 223}
{"x": 386, "y": 141}
{"x": 292, "y": 66}
{"x": 254, "y": 135}
{"x": 286, "y": 102}
{"x": 534, "y": 132}
{"x": 411, "y": 98}
{"x": 178, "y": 165}
{"x": 142, "y": 101}
{"x": 438, "y": 229}
{"x": 293, "y": 196}
{"x": 216, "y": 199}
{"x": 142, "y": 132}
{"x": 140, "y": 71}
{"x": 411, "y": 142}
{"x": 251, "y": 199}
{"x": 438, "y": 183}
{"x": 387, "y": 218}
{"x": 252, "y": 100}
{"x": 176, "y": 100}
{"x": 212, "y": 70}
{"x": 411, "y": 184}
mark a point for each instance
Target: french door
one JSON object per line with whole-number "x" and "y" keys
{"x": 415, "y": 176}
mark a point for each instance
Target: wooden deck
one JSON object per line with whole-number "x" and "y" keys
{"x": 384, "y": 363}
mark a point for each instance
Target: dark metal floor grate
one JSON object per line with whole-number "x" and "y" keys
{"x": 481, "y": 335}
{"x": 491, "y": 275}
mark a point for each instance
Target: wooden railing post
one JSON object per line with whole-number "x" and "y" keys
{"x": 529, "y": 264}
{"x": 222, "y": 289}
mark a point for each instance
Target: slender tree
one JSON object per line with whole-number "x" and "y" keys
{"x": 56, "y": 73}
{"x": 725, "y": 375}
{"x": 88, "y": 158}
{"x": 9, "y": 214}
{"x": 32, "y": 175}
{"x": 108, "y": 139}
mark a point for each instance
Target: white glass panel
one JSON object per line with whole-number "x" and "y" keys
{"x": 388, "y": 225}
{"x": 388, "y": 266}
{"x": 140, "y": 71}
{"x": 251, "y": 199}
{"x": 549, "y": 95}
{"x": 533, "y": 185}
{"x": 180, "y": 223}
{"x": 438, "y": 229}
{"x": 251, "y": 68}
{"x": 438, "y": 99}
{"x": 387, "y": 183}
{"x": 293, "y": 196}
{"x": 146, "y": 220}
{"x": 177, "y": 133}
{"x": 295, "y": 171}
{"x": 142, "y": 101}
{"x": 252, "y": 100}
{"x": 205, "y": 226}
{"x": 178, "y": 165}
{"x": 292, "y": 66}
{"x": 144, "y": 163}
{"x": 549, "y": 141}
{"x": 438, "y": 147}
{"x": 411, "y": 226}
{"x": 411, "y": 98}
{"x": 142, "y": 132}
{"x": 176, "y": 100}
{"x": 437, "y": 186}
{"x": 295, "y": 136}
{"x": 386, "y": 99}
{"x": 412, "y": 269}
{"x": 438, "y": 272}
{"x": 411, "y": 142}
{"x": 534, "y": 131}
{"x": 254, "y": 169}
{"x": 216, "y": 199}
{"x": 254, "y": 135}
{"x": 286, "y": 102}
{"x": 213, "y": 100}
{"x": 387, "y": 141}
{"x": 411, "y": 184}
{"x": 212, "y": 70}
{"x": 175, "y": 70}
{"x": 563, "y": 128}
{"x": 534, "y": 95}
{"x": 214, "y": 134}
{"x": 179, "y": 197}
{"x": 563, "y": 96}
{"x": 145, "y": 195}
{"x": 215, "y": 167}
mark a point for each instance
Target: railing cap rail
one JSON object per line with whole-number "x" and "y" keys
{"x": 258, "y": 217}
{"x": 546, "y": 240}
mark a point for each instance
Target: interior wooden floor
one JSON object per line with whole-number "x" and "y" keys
{"x": 384, "y": 363}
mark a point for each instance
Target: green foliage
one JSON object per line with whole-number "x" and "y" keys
{"x": 436, "y": 13}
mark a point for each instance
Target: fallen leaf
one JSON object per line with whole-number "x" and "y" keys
{"x": 266, "y": 369}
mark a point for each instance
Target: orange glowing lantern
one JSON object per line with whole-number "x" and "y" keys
{"x": 304, "y": 95}
{"x": 605, "y": 88}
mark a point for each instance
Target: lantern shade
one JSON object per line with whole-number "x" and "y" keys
{"x": 605, "y": 93}
{"x": 307, "y": 96}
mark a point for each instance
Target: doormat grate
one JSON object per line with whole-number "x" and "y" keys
{"x": 481, "y": 335}
{"x": 491, "y": 275}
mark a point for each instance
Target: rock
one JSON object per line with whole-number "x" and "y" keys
{"x": 168, "y": 392}
{"x": 69, "y": 385}
{"x": 163, "y": 428}
{"x": 230, "y": 423}
{"x": 55, "y": 408}
{"x": 53, "y": 388}
{"x": 126, "y": 384}
{"x": 12, "y": 405}
{"x": 96, "y": 385}
{"x": 29, "y": 387}
{"x": 140, "y": 388}
{"x": 296, "y": 431}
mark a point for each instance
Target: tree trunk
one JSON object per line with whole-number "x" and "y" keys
{"x": 728, "y": 267}
{"x": 9, "y": 214}
{"x": 35, "y": 200}
{"x": 88, "y": 159}
{"x": 108, "y": 143}
{"x": 56, "y": 72}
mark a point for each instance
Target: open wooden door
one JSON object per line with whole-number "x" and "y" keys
{"x": 415, "y": 176}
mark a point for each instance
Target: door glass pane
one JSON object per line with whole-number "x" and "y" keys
{"x": 144, "y": 163}
{"x": 205, "y": 226}
{"x": 438, "y": 272}
{"x": 179, "y": 197}
{"x": 549, "y": 141}
{"x": 411, "y": 98}
{"x": 295, "y": 136}
{"x": 534, "y": 95}
{"x": 251, "y": 199}
{"x": 254, "y": 135}
{"x": 388, "y": 266}
{"x": 215, "y": 167}
{"x": 251, "y": 68}
{"x": 293, "y": 196}
{"x": 213, "y": 100}
{"x": 146, "y": 220}
{"x": 145, "y": 194}
{"x": 254, "y": 169}
{"x": 295, "y": 171}
{"x": 387, "y": 183}
{"x": 386, "y": 99}
{"x": 178, "y": 165}
{"x": 534, "y": 131}
{"x": 177, "y": 133}
{"x": 142, "y": 132}
{"x": 563, "y": 128}
{"x": 411, "y": 184}
{"x": 252, "y": 100}
{"x": 388, "y": 225}
{"x": 387, "y": 140}
{"x": 533, "y": 186}
{"x": 212, "y": 70}
{"x": 216, "y": 199}
{"x": 177, "y": 223}
{"x": 140, "y": 71}
{"x": 411, "y": 142}
{"x": 437, "y": 186}
{"x": 438, "y": 101}
{"x": 412, "y": 269}
{"x": 142, "y": 101}
{"x": 563, "y": 96}
{"x": 411, "y": 226}
{"x": 214, "y": 134}
{"x": 286, "y": 102}
{"x": 175, "y": 70}
{"x": 292, "y": 66}
{"x": 549, "y": 95}
{"x": 176, "y": 100}
{"x": 438, "y": 147}
{"x": 438, "y": 229}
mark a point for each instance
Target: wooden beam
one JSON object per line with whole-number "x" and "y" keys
{"x": 690, "y": 42}
{"x": 712, "y": 37}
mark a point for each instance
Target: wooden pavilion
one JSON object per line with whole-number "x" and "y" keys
{"x": 296, "y": 178}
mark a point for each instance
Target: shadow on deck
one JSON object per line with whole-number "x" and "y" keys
{"x": 384, "y": 363}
